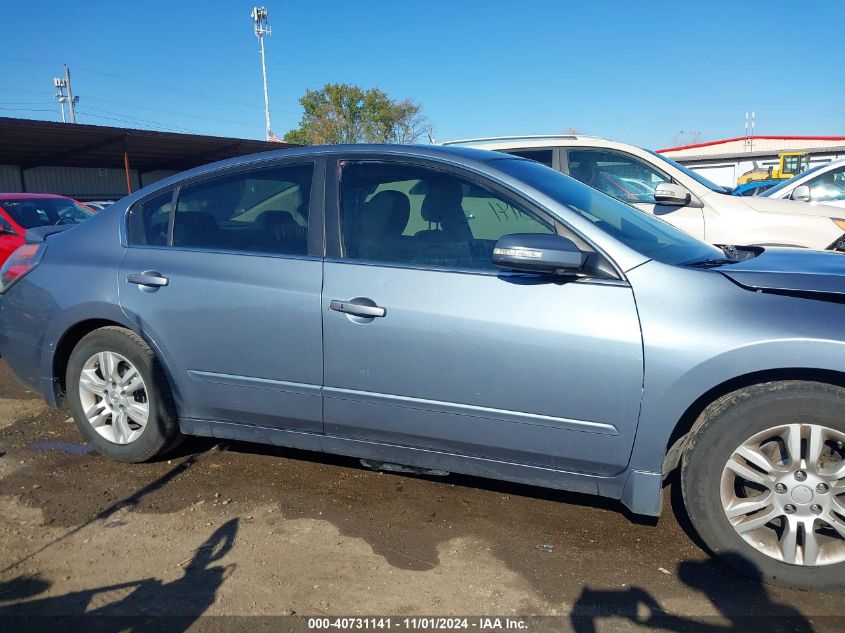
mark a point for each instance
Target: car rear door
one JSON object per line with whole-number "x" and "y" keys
{"x": 224, "y": 274}
{"x": 428, "y": 346}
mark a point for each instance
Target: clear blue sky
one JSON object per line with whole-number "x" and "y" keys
{"x": 634, "y": 71}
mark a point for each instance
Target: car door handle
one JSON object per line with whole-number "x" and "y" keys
{"x": 356, "y": 309}
{"x": 148, "y": 278}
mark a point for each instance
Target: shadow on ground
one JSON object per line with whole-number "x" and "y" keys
{"x": 570, "y": 548}
{"x": 146, "y": 604}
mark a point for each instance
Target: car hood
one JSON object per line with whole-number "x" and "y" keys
{"x": 790, "y": 271}
{"x": 793, "y": 207}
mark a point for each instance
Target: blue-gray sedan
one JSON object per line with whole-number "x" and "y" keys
{"x": 453, "y": 310}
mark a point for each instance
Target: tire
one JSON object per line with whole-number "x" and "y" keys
{"x": 116, "y": 431}
{"x": 768, "y": 418}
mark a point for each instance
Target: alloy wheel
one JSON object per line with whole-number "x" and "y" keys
{"x": 114, "y": 397}
{"x": 783, "y": 491}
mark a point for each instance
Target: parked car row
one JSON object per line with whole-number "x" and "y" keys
{"x": 22, "y": 211}
{"x": 453, "y": 309}
{"x": 823, "y": 184}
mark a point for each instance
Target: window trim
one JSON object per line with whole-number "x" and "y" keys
{"x": 316, "y": 220}
{"x": 334, "y": 237}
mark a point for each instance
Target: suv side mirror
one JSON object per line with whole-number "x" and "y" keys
{"x": 537, "y": 252}
{"x": 671, "y": 193}
{"x": 6, "y": 228}
{"x": 801, "y": 193}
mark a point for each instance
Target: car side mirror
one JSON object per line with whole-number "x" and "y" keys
{"x": 539, "y": 253}
{"x": 801, "y": 193}
{"x": 671, "y": 193}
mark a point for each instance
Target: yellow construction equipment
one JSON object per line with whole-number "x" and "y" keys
{"x": 791, "y": 163}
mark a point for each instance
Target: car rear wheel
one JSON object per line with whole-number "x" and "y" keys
{"x": 763, "y": 480}
{"x": 119, "y": 396}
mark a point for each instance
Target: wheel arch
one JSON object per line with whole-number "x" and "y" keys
{"x": 70, "y": 338}
{"x": 677, "y": 440}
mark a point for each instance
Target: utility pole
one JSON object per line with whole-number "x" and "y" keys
{"x": 70, "y": 100}
{"x": 261, "y": 25}
{"x": 60, "y": 84}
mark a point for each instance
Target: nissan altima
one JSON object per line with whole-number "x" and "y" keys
{"x": 458, "y": 310}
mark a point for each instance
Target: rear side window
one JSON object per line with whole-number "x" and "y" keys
{"x": 542, "y": 156}
{"x": 261, "y": 211}
{"x": 149, "y": 221}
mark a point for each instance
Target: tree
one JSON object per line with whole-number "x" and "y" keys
{"x": 342, "y": 113}
{"x": 571, "y": 131}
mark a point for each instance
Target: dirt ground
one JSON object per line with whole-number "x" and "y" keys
{"x": 238, "y": 529}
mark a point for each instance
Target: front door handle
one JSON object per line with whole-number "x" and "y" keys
{"x": 148, "y": 278}
{"x": 356, "y": 309}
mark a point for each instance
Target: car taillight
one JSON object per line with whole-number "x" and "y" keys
{"x": 20, "y": 263}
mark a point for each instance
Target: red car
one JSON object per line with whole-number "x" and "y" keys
{"x": 22, "y": 211}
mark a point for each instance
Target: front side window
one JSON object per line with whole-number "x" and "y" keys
{"x": 405, "y": 214}
{"x": 828, "y": 187}
{"x": 31, "y": 213}
{"x": 617, "y": 175}
{"x": 261, "y": 211}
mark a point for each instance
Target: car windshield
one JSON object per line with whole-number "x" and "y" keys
{"x": 34, "y": 212}
{"x": 786, "y": 183}
{"x": 689, "y": 172}
{"x": 640, "y": 231}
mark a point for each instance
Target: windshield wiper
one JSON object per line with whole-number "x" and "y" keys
{"x": 711, "y": 263}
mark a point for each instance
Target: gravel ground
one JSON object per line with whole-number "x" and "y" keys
{"x": 237, "y": 529}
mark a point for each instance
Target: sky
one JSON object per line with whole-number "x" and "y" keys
{"x": 649, "y": 73}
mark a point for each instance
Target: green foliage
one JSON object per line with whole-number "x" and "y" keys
{"x": 342, "y": 113}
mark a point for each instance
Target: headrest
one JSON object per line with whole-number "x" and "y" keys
{"x": 385, "y": 214}
{"x": 443, "y": 201}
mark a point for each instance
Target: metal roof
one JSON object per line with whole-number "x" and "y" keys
{"x": 29, "y": 143}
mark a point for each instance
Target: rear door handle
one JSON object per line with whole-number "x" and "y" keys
{"x": 148, "y": 278}
{"x": 356, "y": 309}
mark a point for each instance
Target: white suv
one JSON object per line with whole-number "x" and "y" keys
{"x": 656, "y": 184}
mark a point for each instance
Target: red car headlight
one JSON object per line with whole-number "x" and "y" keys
{"x": 21, "y": 262}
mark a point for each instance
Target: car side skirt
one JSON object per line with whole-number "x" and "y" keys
{"x": 639, "y": 491}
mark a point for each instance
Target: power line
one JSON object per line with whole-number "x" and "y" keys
{"x": 116, "y": 116}
{"x": 184, "y": 114}
{"x": 135, "y": 80}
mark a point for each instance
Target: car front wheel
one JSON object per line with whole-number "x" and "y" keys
{"x": 763, "y": 480}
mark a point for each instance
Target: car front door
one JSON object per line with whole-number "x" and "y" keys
{"x": 428, "y": 346}
{"x": 633, "y": 181}
{"x": 223, "y": 274}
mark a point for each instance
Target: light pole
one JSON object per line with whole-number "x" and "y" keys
{"x": 262, "y": 28}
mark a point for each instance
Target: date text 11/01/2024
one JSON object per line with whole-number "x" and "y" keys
{"x": 417, "y": 623}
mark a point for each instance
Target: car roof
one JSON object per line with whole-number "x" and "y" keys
{"x": 494, "y": 143}
{"x": 460, "y": 155}
{"x": 29, "y": 196}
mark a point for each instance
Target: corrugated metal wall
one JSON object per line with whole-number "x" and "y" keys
{"x": 85, "y": 183}
{"x": 82, "y": 183}
{"x": 10, "y": 179}
{"x": 149, "y": 177}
